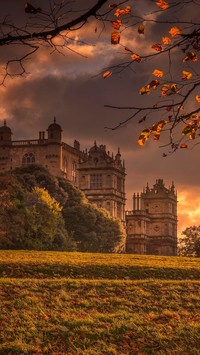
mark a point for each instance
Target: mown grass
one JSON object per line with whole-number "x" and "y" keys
{"x": 73, "y": 303}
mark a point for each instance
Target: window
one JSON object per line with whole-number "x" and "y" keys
{"x": 95, "y": 181}
{"x": 74, "y": 173}
{"x": 119, "y": 184}
{"x": 28, "y": 158}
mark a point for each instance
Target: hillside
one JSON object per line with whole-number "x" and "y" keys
{"x": 95, "y": 304}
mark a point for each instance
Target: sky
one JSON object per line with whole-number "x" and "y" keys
{"x": 70, "y": 86}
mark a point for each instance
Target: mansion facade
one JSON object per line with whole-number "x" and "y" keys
{"x": 151, "y": 226}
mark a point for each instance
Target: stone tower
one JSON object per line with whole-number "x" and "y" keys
{"x": 102, "y": 179}
{"x": 152, "y": 225}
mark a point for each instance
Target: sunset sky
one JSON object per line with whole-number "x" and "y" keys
{"x": 71, "y": 87}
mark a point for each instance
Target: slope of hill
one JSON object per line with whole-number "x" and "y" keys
{"x": 80, "y": 303}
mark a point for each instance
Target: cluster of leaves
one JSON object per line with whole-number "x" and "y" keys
{"x": 189, "y": 242}
{"x": 39, "y": 211}
{"x": 179, "y": 92}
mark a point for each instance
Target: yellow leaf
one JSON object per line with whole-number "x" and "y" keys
{"x": 116, "y": 24}
{"x": 175, "y": 31}
{"x": 141, "y": 29}
{"x": 166, "y": 40}
{"x": 144, "y": 136}
{"x": 106, "y": 74}
{"x": 136, "y": 57}
{"x": 144, "y": 90}
{"x": 158, "y": 73}
{"x": 198, "y": 98}
{"x": 157, "y": 128}
{"x": 190, "y": 56}
{"x": 157, "y": 47}
{"x": 190, "y": 130}
{"x": 115, "y": 37}
{"x": 186, "y": 75}
{"x": 162, "y": 4}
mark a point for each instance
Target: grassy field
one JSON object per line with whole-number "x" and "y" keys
{"x": 73, "y": 303}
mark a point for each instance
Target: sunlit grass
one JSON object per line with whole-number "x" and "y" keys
{"x": 75, "y": 305}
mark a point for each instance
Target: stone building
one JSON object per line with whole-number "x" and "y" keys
{"x": 100, "y": 175}
{"x": 152, "y": 224}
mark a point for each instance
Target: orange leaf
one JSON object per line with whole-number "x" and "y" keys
{"x": 124, "y": 11}
{"x": 164, "y": 90}
{"x": 136, "y": 57}
{"x": 116, "y": 24}
{"x": 190, "y": 56}
{"x": 153, "y": 84}
{"x": 106, "y": 74}
{"x": 144, "y": 90}
{"x": 144, "y": 136}
{"x": 198, "y": 98}
{"x": 175, "y": 31}
{"x": 112, "y": 6}
{"x": 157, "y": 47}
{"x": 183, "y": 146}
{"x": 186, "y": 75}
{"x": 162, "y": 4}
{"x": 166, "y": 40}
{"x": 141, "y": 29}
{"x": 115, "y": 37}
{"x": 158, "y": 73}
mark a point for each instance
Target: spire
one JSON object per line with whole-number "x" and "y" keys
{"x": 4, "y": 123}
{"x": 54, "y": 120}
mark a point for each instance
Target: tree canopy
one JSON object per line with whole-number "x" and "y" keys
{"x": 189, "y": 242}
{"x": 39, "y": 211}
{"x": 160, "y": 38}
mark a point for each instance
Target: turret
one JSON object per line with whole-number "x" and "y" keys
{"x": 5, "y": 135}
{"x": 54, "y": 132}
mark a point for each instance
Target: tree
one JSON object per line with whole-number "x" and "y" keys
{"x": 168, "y": 46}
{"x": 189, "y": 242}
{"x": 93, "y": 229}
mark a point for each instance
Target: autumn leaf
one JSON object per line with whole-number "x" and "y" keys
{"x": 144, "y": 90}
{"x": 116, "y": 24}
{"x": 190, "y": 130}
{"x": 136, "y": 57}
{"x": 198, "y": 98}
{"x": 158, "y": 73}
{"x": 144, "y": 136}
{"x": 141, "y": 29}
{"x": 166, "y": 40}
{"x": 157, "y": 128}
{"x": 115, "y": 37}
{"x": 175, "y": 31}
{"x": 30, "y": 9}
{"x": 183, "y": 146}
{"x": 124, "y": 11}
{"x": 190, "y": 56}
{"x": 153, "y": 84}
{"x": 162, "y": 4}
{"x": 157, "y": 47}
{"x": 165, "y": 88}
{"x": 186, "y": 75}
{"x": 107, "y": 74}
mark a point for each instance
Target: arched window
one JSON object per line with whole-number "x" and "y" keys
{"x": 28, "y": 159}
